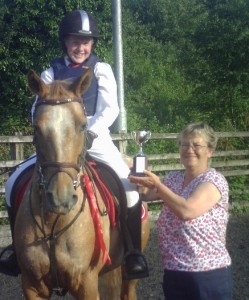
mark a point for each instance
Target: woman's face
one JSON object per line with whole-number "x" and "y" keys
{"x": 79, "y": 48}
{"x": 194, "y": 152}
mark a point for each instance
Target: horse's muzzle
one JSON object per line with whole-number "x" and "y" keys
{"x": 60, "y": 205}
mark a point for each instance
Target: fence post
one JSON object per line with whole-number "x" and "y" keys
{"x": 122, "y": 143}
{"x": 16, "y": 150}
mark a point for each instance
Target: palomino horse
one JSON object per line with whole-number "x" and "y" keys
{"x": 64, "y": 238}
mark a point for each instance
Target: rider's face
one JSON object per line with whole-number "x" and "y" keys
{"x": 78, "y": 48}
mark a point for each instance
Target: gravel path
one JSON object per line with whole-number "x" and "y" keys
{"x": 150, "y": 288}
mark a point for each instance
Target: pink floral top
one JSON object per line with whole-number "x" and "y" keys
{"x": 198, "y": 244}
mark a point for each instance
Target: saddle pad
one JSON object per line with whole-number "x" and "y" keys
{"x": 144, "y": 212}
{"x": 20, "y": 186}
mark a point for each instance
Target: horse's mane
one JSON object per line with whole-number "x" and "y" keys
{"x": 60, "y": 89}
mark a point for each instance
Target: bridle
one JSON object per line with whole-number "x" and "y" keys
{"x": 43, "y": 185}
{"x": 59, "y": 166}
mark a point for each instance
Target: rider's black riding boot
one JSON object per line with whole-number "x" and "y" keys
{"x": 9, "y": 265}
{"x": 135, "y": 263}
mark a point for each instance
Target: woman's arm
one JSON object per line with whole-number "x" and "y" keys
{"x": 205, "y": 196}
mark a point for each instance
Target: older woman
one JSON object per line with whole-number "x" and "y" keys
{"x": 193, "y": 221}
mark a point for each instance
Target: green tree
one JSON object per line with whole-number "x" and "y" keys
{"x": 155, "y": 89}
{"x": 221, "y": 40}
{"x": 184, "y": 60}
{"x": 29, "y": 40}
{"x": 206, "y": 42}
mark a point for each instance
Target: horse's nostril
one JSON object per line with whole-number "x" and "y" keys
{"x": 60, "y": 203}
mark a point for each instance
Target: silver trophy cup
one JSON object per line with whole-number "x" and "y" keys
{"x": 140, "y": 160}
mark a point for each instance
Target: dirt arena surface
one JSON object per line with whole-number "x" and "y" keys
{"x": 150, "y": 288}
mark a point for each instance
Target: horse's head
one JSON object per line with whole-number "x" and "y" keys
{"x": 59, "y": 134}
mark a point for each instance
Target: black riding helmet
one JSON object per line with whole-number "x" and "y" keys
{"x": 80, "y": 23}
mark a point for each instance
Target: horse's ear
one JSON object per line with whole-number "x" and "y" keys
{"x": 36, "y": 85}
{"x": 82, "y": 83}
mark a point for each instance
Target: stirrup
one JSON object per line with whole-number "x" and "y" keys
{"x": 135, "y": 275}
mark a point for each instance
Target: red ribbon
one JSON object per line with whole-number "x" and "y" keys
{"x": 100, "y": 244}
{"x": 106, "y": 195}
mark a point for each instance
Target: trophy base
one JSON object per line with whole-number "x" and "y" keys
{"x": 139, "y": 165}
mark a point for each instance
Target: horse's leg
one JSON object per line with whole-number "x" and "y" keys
{"x": 129, "y": 290}
{"x": 110, "y": 285}
{"x": 86, "y": 286}
{"x": 34, "y": 293}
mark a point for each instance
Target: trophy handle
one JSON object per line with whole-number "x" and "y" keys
{"x": 148, "y": 135}
{"x": 145, "y": 140}
{"x": 133, "y": 135}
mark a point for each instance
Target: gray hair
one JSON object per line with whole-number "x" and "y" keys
{"x": 202, "y": 130}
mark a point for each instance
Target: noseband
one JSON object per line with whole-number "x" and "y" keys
{"x": 58, "y": 166}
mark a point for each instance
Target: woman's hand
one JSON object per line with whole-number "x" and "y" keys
{"x": 150, "y": 181}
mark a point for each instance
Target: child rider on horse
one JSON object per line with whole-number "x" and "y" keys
{"x": 78, "y": 34}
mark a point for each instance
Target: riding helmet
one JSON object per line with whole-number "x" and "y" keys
{"x": 78, "y": 22}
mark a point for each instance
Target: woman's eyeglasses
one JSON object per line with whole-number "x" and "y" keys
{"x": 195, "y": 147}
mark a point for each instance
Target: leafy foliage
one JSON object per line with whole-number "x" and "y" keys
{"x": 204, "y": 46}
{"x": 29, "y": 40}
{"x": 184, "y": 60}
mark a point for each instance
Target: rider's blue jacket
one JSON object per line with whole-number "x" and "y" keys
{"x": 62, "y": 71}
